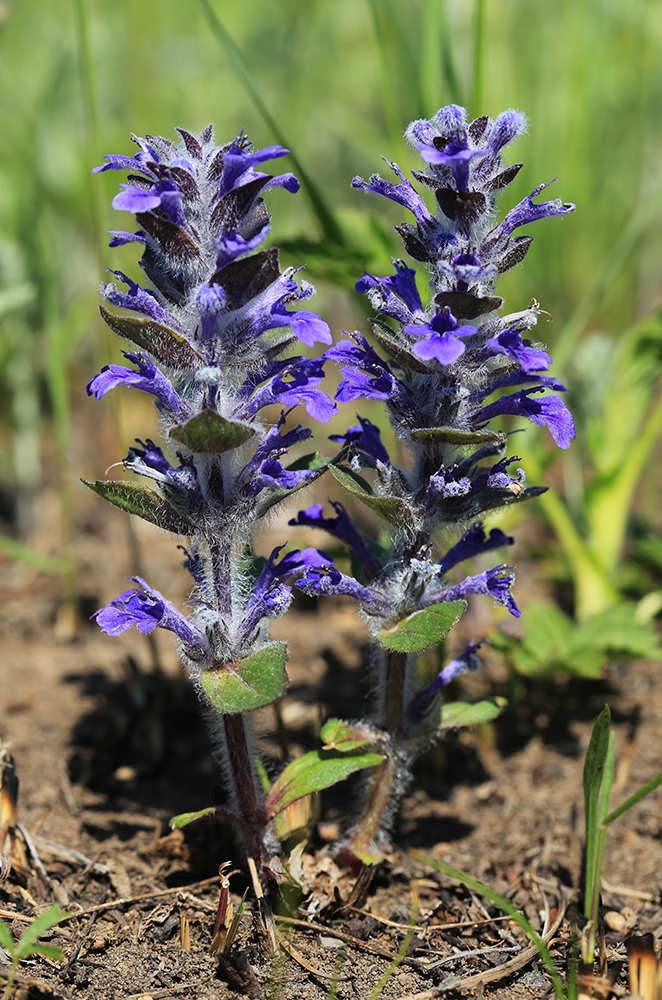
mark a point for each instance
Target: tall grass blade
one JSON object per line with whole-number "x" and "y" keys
{"x": 504, "y": 905}
{"x": 479, "y": 60}
{"x": 326, "y": 217}
{"x": 386, "y": 79}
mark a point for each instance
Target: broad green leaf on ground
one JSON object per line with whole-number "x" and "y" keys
{"x": 209, "y": 432}
{"x": 392, "y": 509}
{"x": 244, "y": 685}
{"x": 338, "y": 735}
{"x": 553, "y": 643}
{"x": 141, "y": 500}
{"x": 183, "y": 819}
{"x": 164, "y": 344}
{"x": 423, "y": 628}
{"x": 313, "y": 772}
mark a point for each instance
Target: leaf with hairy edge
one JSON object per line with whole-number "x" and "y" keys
{"x": 177, "y": 822}
{"x": 164, "y": 344}
{"x": 338, "y": 735}
{"x": 243, "y": 685}
{"x": 423, "y": 628}
{"x": 394, "y": 510}
{"x": 451, "y": 435}
{"x": 311, "y": 773}
{"x": 456, "y": 714}
{"x": 209, "y": 432}
{"x": 141, "y": 500}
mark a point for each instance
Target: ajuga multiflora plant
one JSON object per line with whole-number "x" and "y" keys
{"x": 207, "y": 338}
{"x": 451, "y": 369}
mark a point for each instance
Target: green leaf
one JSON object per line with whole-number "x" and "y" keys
{"x": 617, "y": 630}
{"x": 394, "y": 510}
{"x": 452, "y": 435}
{"x": 47, "y": 951}
{"x": 423, "y": 628}
{"x": 164, "y": 344}
{"x": 312, "y": 772}
{"x": 312, "y": 461}
{"x": 6, "y": 940}
{"x": 209, "y": 432}
{"x": 338, "y": 735}
{"x": 455, "y": 714}
{"x": 247, "y": 684}
{"x": 141, "y": 500}
{"x": 594, "y": 765}
{"x": 183, "y": 819}
{"x": 49, "y": 918}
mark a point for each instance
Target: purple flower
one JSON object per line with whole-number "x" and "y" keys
{"x": 271, "y": 474}
{"x": 147, "y": 609}
{"x": 460, "y": 665}
{"x": 396, "y": 295}
{"x": 466, "y": 270}
{"x": 136, "y": 299}
{"x": 231, "y": 245}
{"x": 402, "y": 193}
{"x": 495, "y": 583}
{"x": 510, "y": 343}
{"x": 473, "y": 543}
{"x": 143, "y": 162}
{"x": 340, "y": 527}
{"x": 151, "y": 462}
{"x": 364, "y": 437}
{"x": 271, "y": 597}
{"x": 457, "y": 155}
{"x": 164, "y": 195}
{"x": 303, "y": 376}
{"x": 238, "y": 169}
{"x": 148, "y": 378}
{"x": 440, "y": 338}
{"x": 550, "y": 411}
{"x": 527, "y": 211}
{"x": 370, "y": 376}
{"x": 273, "y": 445}
{"x": 322, "y": 577}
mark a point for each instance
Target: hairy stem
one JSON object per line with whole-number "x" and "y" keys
{"x": 393, "y": 693}
{"x": 372, "y": 818}
{"x": 245, "y": 792}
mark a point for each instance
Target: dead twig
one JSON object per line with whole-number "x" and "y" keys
{"x": 373, "y": 949}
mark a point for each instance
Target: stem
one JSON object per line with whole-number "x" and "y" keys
{"x": 393, "y": 694}
{"x": 242, "y": 778}
{"x": 219, "y": 553}
{"x": 372, "y": 817}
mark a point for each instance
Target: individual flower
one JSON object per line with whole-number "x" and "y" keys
{"x": 147, "y": 609}
{"x": 148, "y": 378}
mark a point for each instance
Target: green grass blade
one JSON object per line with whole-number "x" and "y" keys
{"x": 49, "y": 918}
{"x": 479, "y": 60}
{"x": 402, "y": 950}
{"x": 21, "y": 552}
{"x": 438, "y": 79}
{"x": 386, "y": 79}
{"x": 504, "y": 905}
{"x": 325, "y": 215}
{"x": 645, "y": 790}
{"x": 594, "y": 765}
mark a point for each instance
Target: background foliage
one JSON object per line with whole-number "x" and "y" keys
{"x": 341, "y": 80}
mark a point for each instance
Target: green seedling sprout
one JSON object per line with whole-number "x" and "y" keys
{"x": 598, "y": 780}
{"x": 26, "y": 946}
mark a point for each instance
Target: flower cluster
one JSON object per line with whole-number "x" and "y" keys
{"x": 448, "y": 372}
{"x": 207, "y": 338}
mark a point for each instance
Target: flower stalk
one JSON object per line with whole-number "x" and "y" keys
{"x": 448, "y": 370}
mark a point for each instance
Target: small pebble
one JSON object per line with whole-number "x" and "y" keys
{"x": 125, "y": 773}
{"x": 330, "y": 942}
{"x": 329, "y": 832}
{"x": 615, "y": 921}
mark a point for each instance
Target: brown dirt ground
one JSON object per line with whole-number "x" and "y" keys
{"x": 107, "y": 749}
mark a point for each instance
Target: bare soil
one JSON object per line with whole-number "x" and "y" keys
{"x": 108, "y": 744}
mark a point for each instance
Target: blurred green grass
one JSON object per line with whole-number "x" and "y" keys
{"x": 342, "y": 80}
